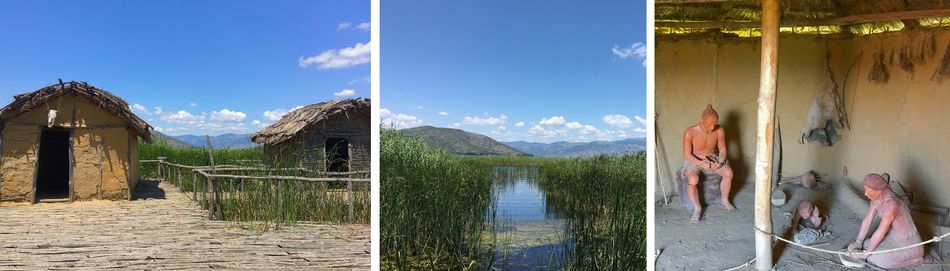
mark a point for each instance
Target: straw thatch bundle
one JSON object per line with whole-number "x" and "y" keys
{"x": 297, "y": 120}
{"x": 111, "y": 103}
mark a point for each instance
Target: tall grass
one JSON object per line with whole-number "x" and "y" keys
{"x": 433, "y": 206}
{"x": 259, "y": 200}
{"x": 603, "y": 200}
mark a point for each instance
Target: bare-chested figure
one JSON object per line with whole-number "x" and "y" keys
{"x": 896, "y": 228}
{"x": 806, "y": 216}
{"x": 704, "y": 148}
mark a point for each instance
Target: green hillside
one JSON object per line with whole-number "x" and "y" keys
{"x": 459, "y": 141}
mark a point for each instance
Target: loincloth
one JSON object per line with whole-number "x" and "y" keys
{"x": 687, "y": 166}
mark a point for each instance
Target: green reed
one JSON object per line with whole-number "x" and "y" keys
{"x": 270, "y": 200}
{"x": 603, "y": 200}
{"x": 434, "y": 207}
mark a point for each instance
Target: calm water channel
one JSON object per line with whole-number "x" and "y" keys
{"x": 531, "y": 234}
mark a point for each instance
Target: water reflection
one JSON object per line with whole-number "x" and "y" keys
{"x": 531, "y": 232}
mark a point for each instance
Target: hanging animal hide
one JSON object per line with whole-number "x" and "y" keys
{"x": 827, "y": 113}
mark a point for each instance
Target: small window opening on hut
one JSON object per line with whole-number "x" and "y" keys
{"x": 52, "y": 180}
{"x": 338, "y": 154}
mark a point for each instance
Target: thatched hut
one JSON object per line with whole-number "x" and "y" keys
{"x": 69, "y": 141}
{"x": 840, "y": 87}
{"x": 329, "y": 136}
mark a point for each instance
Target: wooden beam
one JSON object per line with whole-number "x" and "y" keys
{"x": 765, "y": 122}
{"x": 846, "y": 20}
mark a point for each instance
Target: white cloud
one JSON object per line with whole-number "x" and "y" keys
{"x": 364, "y": 26}
{"x": 345, "y": 93}
{"x": 343, "y": 25}
{"x": 573, "y": 125}
{"x": 258, "y": 124}
{"x": 502, "y": 128}
{"x": 342, "y": 58}
{"x": 555, "y": 120}
{"x": 540, "y": 131}
{"x": 456, "y": 125}
{"x": 617, "y": 120}
{"x": 226, "y": 115}
{"x": 138, "y": 108}
{"x": 276, "y": 114}
{"x": 486, "y": 120}
{"x": 419, "y": 107}
{"x": 641, "y": 120}
{"x": 362, "y": 80}
{"x": 182, "y": 116}
{"x": 193, "y": 104}
{"x": 158, "y": 110}
{"x": 519, "y": 124}
{"x": 389, "y": 119}
{"x": 636, "y": 51}
{"x": 443, "y": 113}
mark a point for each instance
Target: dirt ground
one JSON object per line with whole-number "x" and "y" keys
{"x": 162, "y": 229}
{"x": 725, "y": 239}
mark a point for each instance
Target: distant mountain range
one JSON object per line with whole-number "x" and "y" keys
{"x": 459, "y": 141}
{"x": 580, "y": 149}
{"x": 231, "y": 141}
{"x": 463, "y": 142}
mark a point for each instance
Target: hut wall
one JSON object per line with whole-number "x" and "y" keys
{"x": 354, "y": 127}
{"x": 895, "y": 127}
{"x": 100, "y": 150}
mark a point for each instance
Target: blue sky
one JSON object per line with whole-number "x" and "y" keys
{"x": 535, "y": 70}
{"x": 191, "y": 67}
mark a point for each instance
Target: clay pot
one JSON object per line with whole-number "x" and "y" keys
{"x": 778, "y": 198}
{"x": 809, "y": 180}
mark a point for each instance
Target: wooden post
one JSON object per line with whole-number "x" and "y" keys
{"x": 349, "y": 199}
{"x": 771, "y": 16}
{"x": 280, "y": 200}
{"x": 194, "y": 186}
{"x": 214, "y": 201}
{"x": 161, "y": 175}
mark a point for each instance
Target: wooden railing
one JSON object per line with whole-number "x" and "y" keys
{"x": 314, "y": 195}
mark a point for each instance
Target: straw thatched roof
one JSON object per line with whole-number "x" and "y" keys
{"x": 844, "y": 17}
{"x": 297, "y": 120}
{"x": 28, "y": 101}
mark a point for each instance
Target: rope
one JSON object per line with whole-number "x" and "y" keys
{"x": 932, "y": 240}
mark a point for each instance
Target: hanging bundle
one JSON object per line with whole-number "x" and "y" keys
{"x": 878, "y": 69}
{"x": 944, "y": 68}
{"x": 906, "y": 63}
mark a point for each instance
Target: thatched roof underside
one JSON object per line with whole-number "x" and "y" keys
{"x": 808, "y": 17}
{"x": 297, "y": 120}
{"x": 25, "y": 102}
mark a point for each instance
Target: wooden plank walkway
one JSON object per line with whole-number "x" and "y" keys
{"x": 162, "y": 229}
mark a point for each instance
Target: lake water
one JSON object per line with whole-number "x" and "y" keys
{"x": 531, "y": 234}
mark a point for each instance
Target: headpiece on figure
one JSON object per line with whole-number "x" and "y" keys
{"x": 875, "y": 181}
{"x": 710, "y": 112}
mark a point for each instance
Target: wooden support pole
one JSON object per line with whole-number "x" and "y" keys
{"x": 771, "y": 16}
{"x": 349, "y": 200}
{"x": 161, "y": 160}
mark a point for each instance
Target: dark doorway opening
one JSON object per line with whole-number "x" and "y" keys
{"x": 338, "y": 154}
{"x": 52, "y": 179}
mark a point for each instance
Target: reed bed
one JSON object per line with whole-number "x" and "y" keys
{"x": 270, "y": 200}
{"x": 603, "y": 200}
{"x": 434, "y": 207}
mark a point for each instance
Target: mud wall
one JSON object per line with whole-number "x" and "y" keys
{"x": 100, "y": 147}
{"x": 895, "y": 127}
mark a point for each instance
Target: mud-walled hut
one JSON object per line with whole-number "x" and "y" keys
{"x": 332, "y": 136}
{"x": 69, "y": 141}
